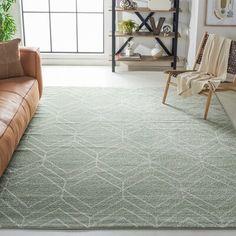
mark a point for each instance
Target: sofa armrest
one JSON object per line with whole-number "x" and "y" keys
{"x": 31, "y": 63}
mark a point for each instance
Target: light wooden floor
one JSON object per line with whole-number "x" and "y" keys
{"x": 228, "y": 100}
{"x": 102, "y": 77}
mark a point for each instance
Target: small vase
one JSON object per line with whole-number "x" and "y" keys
{"x": 128, "y": 4}
{"x": 125, "y": 4}
{"x": 157, "y": 52}
{"x": 129, "y": 51}
{"x": 128, "y": 32}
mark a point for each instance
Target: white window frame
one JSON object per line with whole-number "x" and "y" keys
{"x": 72, "y": 58}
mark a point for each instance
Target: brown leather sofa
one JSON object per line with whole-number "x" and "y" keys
{"x": 19, "y": 98}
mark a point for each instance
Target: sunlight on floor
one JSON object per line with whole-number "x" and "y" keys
{"x": 100, "y": 76}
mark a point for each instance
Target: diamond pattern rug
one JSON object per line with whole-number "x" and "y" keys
{"x": 96, "y": 158}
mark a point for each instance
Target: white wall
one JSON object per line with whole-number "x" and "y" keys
{"x": 15, "y": 11}
{"x": 198, "y": 28}
{"x": 225, "y": 31}
{"x": 194, "y": 6}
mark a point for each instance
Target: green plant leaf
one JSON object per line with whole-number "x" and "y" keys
{"x": 7, "y": 22}
{"x": 127, "y": 26}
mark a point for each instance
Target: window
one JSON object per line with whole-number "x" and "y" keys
{"x": 59, "y": 26}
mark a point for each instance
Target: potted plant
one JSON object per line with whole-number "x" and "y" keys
{"x": 127, "y": 26}
{"x": 7, "y": 22}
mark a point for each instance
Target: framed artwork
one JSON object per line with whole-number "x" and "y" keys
{"x": 221, "y": 13}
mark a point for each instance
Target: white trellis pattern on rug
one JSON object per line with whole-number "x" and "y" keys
{"x": 97, "y": 158}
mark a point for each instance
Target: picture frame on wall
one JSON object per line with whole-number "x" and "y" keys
{"x": 221, "y": 12}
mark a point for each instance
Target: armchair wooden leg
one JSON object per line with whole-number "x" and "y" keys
{"x": 166, "y": 89}
{"x": 208, "y": 103}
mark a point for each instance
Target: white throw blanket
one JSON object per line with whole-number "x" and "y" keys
{"x": 213, "y": 67}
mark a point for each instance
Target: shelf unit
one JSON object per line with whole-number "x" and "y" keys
{"x": 145, "y": 34}
{"x": 171, "y": 57}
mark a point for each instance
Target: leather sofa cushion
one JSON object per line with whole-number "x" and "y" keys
{"x": 19, "y": 98}
{"x": 10, "y": 64}
{"x": 14, "y": 95}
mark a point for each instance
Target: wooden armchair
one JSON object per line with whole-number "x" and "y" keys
{"x": 230, "y": 84}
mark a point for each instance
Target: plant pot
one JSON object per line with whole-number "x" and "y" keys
{"x": 127, "y": 32}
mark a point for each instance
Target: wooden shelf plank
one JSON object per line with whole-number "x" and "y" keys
{"x": 143, "y": 9}
{"x": 145, "y": 34}
{"x": 148, "y": 59}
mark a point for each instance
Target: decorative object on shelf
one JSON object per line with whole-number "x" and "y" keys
{"x": 157, "y": 28}
{"x": 157, "y": 51}
{"x": 162, "y": 5}
{"x": 127, "y": 26}
{"x": 221, "y": 13}
{"x": 128, "y": 4}
{"x": 7, "y": 22}
{"x": 129, "y": 50}
{"x": 134, "y": 5}
{"x": 166, "y": 29}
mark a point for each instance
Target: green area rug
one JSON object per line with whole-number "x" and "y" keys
{"x": 96, "y": 158}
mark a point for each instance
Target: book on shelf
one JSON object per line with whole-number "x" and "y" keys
{"x": 134, "y": 57}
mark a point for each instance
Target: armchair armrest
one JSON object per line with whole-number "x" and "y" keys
{"x": 234, "y": 82}
{"x": 31, "y": 63}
